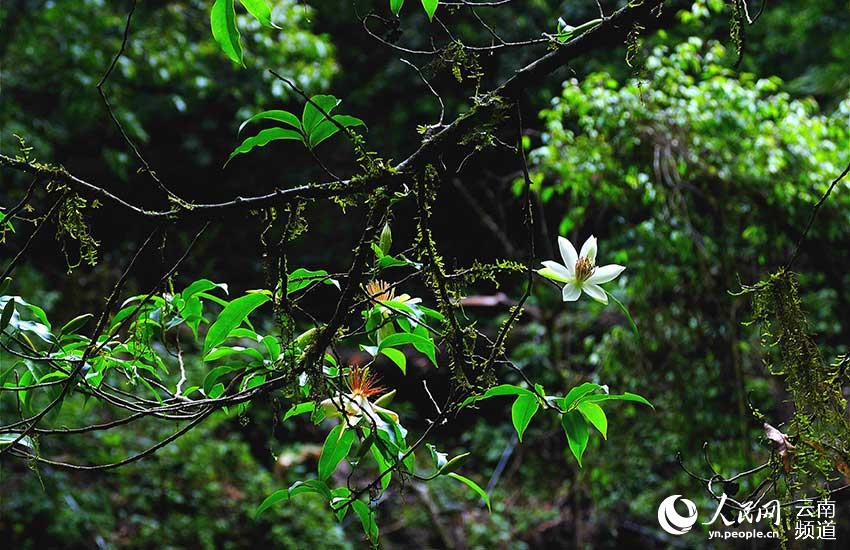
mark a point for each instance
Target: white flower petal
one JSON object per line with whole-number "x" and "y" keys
{"x": 588, "y": 249}
{"x": 571, "y": 292}
{"x": 605, "y": 273}
{"x": 595, "y": 292}
{"x": 568, "y": 253}
{"x": 556, "y": 272}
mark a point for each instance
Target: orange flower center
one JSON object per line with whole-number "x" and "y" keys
{"x": 380, "y": 291}
{"x": 363, "y": 383}
{"x": 584, "y": 268}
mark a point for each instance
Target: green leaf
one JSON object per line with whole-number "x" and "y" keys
{"x": 6, "y": 316}
{"x": 496, "y": 391}
{"x": 625, "y": 396}
{"x": 271, "y": 500}
{"x": 596, "y": 416}
{"x": 522, "y": 411}
{"x": 391, "y": 261}
{"x": 625, "y": 311}
{"x": 310, "y": 486}
{"x": 386, "y": 240}
{"x": 395, "y": 6}
{"x": 421, "y": 343}
{"x": 223, "y": 23}
{"x": 472, "y": 485}
{"x": 397, "y": 357}
{"x": 311, "y": 117}
{"x": 453, "y": 464}
{"x": 576, "y": 429}
{"x": 300, "y": 408}
{"x": 326, "y": 128}
{"x": 75, "y": 324}
{"x": 264, "y": 138}
{"x": 261, "y": 11}
{"x": 272, "y": 346}
{"x": 231, "y": 317}
{"x": 201, "y": 285}
{"x": 430, "y": 7}
{"x": 225, "y": 351}
{"x": 302, "y": 278}
{"x": 578, "y": 392}
{"x": 8, "y": 224}
{"x": 367, "y": 519}
{"x": 4, "y": 285}
{"x": 211, "y": 379}
{"x": 336, "y": 447}
{"x": 383, "y": 465}
{"x": 277, "y": 115}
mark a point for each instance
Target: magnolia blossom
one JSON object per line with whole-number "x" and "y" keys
{"x": 381, "y": 291}
{"x": 355, "y": 406}
{"x": 579, "y": 272}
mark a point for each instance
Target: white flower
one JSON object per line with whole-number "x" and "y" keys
{"x": 579, "y": 272}
{"x": 355, "y": 405}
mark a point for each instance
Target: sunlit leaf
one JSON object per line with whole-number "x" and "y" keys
{"x": 261, "y": 11}
{"x": 231, "y": 317}
{"x": 264, "y": 138}
{"x": 223, "y": 23}
{"x": 276, "y": 115}
{"x": 577, "y": 435}
{"x": 594, "y": 414}
{"x": 271, "y": 500}
{"x": 474, "y": 486}
{"x": 336, "y": 447}
{"x": 311, "y": 116}
{"x": 522, "y": 411}
{"x": 430, "y": 7}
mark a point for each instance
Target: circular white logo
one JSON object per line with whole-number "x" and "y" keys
{"x": 671, "y": 521}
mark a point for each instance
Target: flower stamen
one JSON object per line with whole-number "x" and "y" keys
{"x": 380, "y": 291}
{"x": 584, "y": 269}
{"x": 363, "y": 383}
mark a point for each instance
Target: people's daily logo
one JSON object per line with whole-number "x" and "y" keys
{"x": 673, "y": 522}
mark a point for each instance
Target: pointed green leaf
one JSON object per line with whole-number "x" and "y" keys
{"x": 261, "y": 11}
{"x": 75, "y": 324}
{"x": 277, "y": 115}
{"x": 430, "y": 7}
{"x": 336, "y": 447}
{"x": 397, "y": 357}
{"x": 367, "y": 519}
{"x": 578, "y": 392}
{"x": 395, "y": 6}
{"x": 300, "y": 408}
{"x": 231, "y": 317}
{"x": 522, "y": 411}
{"x": 271, "y": 500}
{"x": 577, "y": 434}
{"x": 326, "y": 128}
{"x": 596, "y": 416}
{"x": 625, "y": 396}
{"x": 496, "y": 391}
{"x": 223, "y": 23}
{"x": 264, "y": 138}
{"x": 6, "y": 316}
{"x": 422, "y": 344}
{"x": 472, "y": 485}
{"x": 311, "y": 116}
